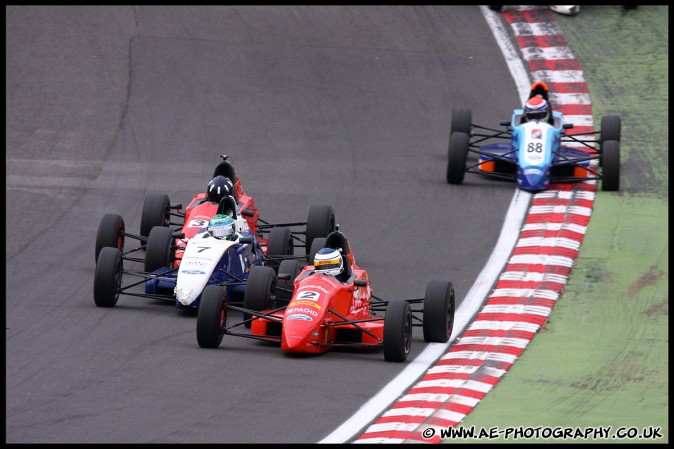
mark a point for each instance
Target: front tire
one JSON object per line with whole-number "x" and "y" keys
{"x": 259, "y": 294}
{"x": 316, "y": 246}
{"x": 110, "y": 233}
{"x": 462, "y": 121}
{"x": 212, "y": 316}
{"x": 293, "y": 268}
{"x": 160, "y": 250}
{"x": 397, "y": 331}
{"x": 279, "y": 244}
{"x": 610, "y": 164}
{"x": 320, "y": 223}
{"x": 456, "y": 158}
{"x": 108, "y": 277}
{"x": 438, "y": 315}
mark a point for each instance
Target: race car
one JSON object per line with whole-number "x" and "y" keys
{"x": 178, "y": 263}
{"x": 307, "y": 311}
{"x": 536, "y": 152}
{"x": 159, "y": 211}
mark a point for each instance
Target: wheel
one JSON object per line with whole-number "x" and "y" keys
{"x": 610, "y": 165}
{"x": 110, "y": 233}
{"x": 156, "y": 212}
{"x": 293, "y": 268}
{"x": 212, "y": 316}
{"x": 456, "y": 160}
{"x": 397, "y": 331}
{"x": 610, "y": 129}
{"x": 462, "y": 121}
{"x": 160, "y": 250}
{"x": 438, "y": 314}
{"x": 108, "y": 277}
{"x": 316, "y": 246}
{"x": 280, "y": 243}
{"x": 259, "y": 294}
{"x": 320, "y": 223}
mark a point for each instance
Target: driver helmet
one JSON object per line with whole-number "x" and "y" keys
{"x": 328, "y": 261}
{"x": 218, "y": 187}
{"x": 536, "y": 108}
{"x": 222, "y": 226}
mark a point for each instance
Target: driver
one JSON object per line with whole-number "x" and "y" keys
{"x": 218, "y": 187}
{"x": 222, "y": 226}
{"x": 329, "y": 261}
{"x": 536, "y": 109}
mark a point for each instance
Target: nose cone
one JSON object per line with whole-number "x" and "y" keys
{"x": 186, "y": 296}
{"x": 297, "y": 329}
{"x": 531, "y": 178}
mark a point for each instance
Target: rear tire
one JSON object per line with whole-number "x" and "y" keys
{"x": 156, "y": 212}
{"x": 108, "y": 277}
{"x": 110, "y": 233}
{"x": 160, "y": 251}
{"x": 438, "y": 315}
{"x": 610, "y": 129}
{"x": 456, "y": 159}
{"x": 212, "y": 316}
{"x": 320, "y": 223}
{"x": 462, "y": 121}
{"x": 610, "y": 164}
{"x": 397, "y": 331}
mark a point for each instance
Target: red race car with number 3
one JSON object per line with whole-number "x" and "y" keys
{"x": 310, "y": 312}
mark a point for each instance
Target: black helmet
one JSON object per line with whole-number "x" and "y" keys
{"x": 218, "y": 188}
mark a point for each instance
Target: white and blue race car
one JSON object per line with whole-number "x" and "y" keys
{"x": 534, "y": 153}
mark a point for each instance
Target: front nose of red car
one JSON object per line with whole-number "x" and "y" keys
{"x": 300, "y": 334}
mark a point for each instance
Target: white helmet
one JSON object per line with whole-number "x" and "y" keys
{"x": 328, "y": 261}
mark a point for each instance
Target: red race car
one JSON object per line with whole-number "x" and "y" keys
{"x": 327, "y": 303}
{"x": 224, "y": 195}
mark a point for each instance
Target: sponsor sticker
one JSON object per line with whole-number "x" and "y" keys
{"x": 299, "y": 316}
{"x": 306, "y": 303}
{"x": 304, "y": 310}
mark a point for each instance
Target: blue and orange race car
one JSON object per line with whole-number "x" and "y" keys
{"x": 536, "y": 153}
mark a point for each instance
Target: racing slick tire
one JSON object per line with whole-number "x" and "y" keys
{"x": 212, "y": 316}
{"x": 160, "y": 250}
{"x": 108, "y": 277}
{"x": 280, "y": 244}
{"x": 397, "y": 331}
{"x": 316, "y": 246}
{"x": 439, "y": 308}
{"x": 259, "y": 294}
{"x": 156, "y": 212}
{"x": 462, "y": 121}
{"x": 293, "y": 268}
{"x": 610, "y": 129}
{"x": 110, "y": 233}
{"x": 320, "y": 223}
{"x": 456, "y": 160}
{"x": 610, "y": 166}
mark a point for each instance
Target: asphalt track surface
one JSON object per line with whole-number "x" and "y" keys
{"x": 348, "y": 106}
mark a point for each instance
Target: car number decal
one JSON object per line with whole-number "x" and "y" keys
{"x": 308, "y": 295}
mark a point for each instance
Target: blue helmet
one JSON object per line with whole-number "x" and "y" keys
{"x": 222, "y": 226}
